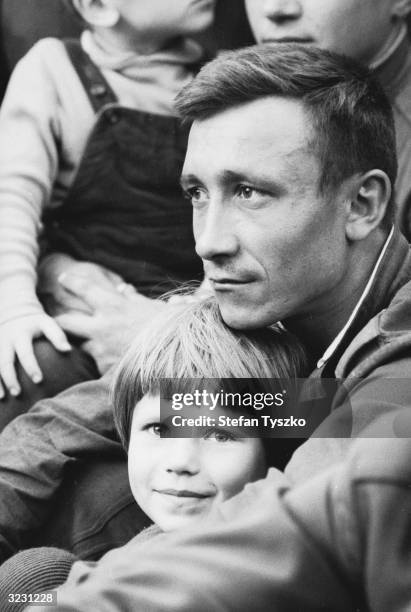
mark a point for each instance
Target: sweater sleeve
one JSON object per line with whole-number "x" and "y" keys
{"x": 29, "y": 136}
{"x": 36, "y": 448}
{"x": 44, "y": 122}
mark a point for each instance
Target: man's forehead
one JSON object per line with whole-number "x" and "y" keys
{"x": 268, "y": 128}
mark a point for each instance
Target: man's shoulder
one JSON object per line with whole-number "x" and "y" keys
{"x": 384, "y": 340}
{"x": 383, "y": 452}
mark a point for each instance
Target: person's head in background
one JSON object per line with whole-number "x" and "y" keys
{"x": 362, "y": 29}
{"x": 178, "y": 480}
{"x": 144, "y": 26}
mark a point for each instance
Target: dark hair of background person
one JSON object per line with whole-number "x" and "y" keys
{"x": 353, "y": 124}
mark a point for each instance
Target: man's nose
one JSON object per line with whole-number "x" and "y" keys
{"x": 183, "y": 456}
{"x": 282, "y": 10}
{"x": 214, "y": 234}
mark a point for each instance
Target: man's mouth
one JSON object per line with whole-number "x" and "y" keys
{"x": 226, "y": 281}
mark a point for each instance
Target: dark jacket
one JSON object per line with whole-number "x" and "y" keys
{"x": 395, "y": 76}
{"x": 337, "y": 543}
{"x": 373, "y": 361}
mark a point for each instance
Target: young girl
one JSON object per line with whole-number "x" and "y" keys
{"x": 178, "y": 481}
{"x": 90, "y": 158}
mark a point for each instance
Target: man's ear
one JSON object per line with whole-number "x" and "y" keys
{"x": 401, "y": 8}
{"x": 370, "y": 197}
{"x": 98, "y": 13}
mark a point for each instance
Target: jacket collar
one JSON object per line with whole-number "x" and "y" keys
{"x": 393, "y": 272}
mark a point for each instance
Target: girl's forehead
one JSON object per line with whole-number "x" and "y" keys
{"x": 148, "y": 403}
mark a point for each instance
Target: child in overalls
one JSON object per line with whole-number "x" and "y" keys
{"x": 90, "y": 156}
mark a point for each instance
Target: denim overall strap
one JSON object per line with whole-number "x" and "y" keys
{"x": 125, "y": 209}
{"x": 98, "y": 90}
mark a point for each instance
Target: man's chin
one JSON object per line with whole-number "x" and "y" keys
{"x": 244, "y": 317}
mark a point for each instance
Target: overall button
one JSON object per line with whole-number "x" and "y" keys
{"x": 98, "y": 90}
{"x": 113, "y": 116}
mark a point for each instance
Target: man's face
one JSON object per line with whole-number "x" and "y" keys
{"x": 358, "y": 28}
{"x": 272, "y": 247}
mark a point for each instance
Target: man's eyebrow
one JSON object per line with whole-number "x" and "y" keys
{"x": 268, "y": 182}
{"x": 227, "y": 177}
{"x": 232, "y": 175}
{"x": 188, "y": 179}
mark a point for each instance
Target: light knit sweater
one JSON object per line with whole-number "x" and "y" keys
{"x": 45, "y": 120}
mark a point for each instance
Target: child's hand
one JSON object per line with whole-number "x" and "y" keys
{"x": 16, "y": 341}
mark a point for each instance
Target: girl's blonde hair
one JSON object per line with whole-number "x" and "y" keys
{"x": 191, "y": 341}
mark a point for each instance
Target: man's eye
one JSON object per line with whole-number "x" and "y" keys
{"x": 196, "y": 195}
{"x": 219, "y": 435}
{"x": 246, "y": 192}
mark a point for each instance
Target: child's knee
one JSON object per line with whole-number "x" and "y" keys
{"x": 60, "y": 371}
{"x": 31, "y": 572}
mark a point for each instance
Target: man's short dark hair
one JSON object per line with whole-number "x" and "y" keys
{"x": 351, "y": 115}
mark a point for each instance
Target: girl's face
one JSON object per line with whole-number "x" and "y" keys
{"x": 162, "y": 19}
{"x": 179, "y": 480}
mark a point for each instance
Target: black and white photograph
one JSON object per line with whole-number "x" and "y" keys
{"x": 205, "y": 305}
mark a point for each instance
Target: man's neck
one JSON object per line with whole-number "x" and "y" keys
{"x": 318, "y": 329}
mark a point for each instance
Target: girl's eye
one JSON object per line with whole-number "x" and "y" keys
{"x": 219, "y": 435}
{"x": 156, "y": 429}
